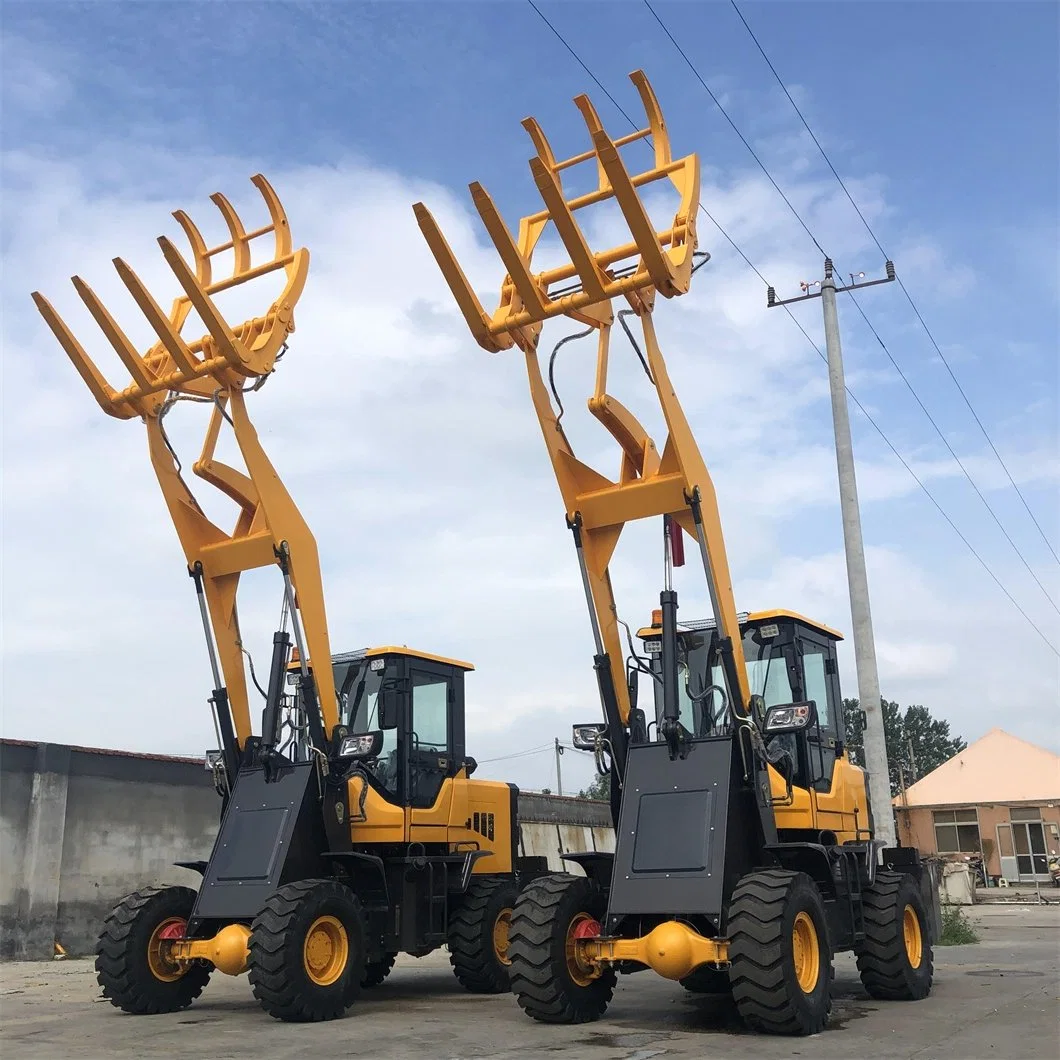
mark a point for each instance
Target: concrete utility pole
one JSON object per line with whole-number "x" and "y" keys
{"x": 857, "y": 579}
{"x": 559, "y": 774}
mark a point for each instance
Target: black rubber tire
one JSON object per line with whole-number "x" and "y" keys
{"x": 541, "y": 979}
{"x": 886, "y": 972}
{"x": 707, "y": 980}
{"x": 767, "y": 993}
{"x": 122, "y": 968}
{"x": 471, "y": 951}
{"x": 376, "y": 971}
{"x": 278, "y": 975}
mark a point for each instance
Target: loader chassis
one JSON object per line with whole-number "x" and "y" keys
{"x": 744, "y": 855}
{"x": 350, "y": 830}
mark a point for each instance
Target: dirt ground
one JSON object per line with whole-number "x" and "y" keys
{"x": 997, "y": 999}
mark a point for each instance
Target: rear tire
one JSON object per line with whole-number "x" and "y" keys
{"x": 307, "y": 952}
{"x": 376, "y": 971}
{"x": 895, "y": 959}
{"x": 547, "y": 985}
{"x": 131, "y": 966}
{"x": 479, "y": 933}
{"x": 781, "y": 970}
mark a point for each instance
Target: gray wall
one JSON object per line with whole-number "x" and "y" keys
{"x": 80, "y": 827}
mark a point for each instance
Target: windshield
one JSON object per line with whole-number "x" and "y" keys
{"x": 357, "y": 687}
{"x": 703, "y": 702}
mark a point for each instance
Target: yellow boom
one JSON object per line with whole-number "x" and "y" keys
{"x": 653, "y": 262}
{"x": 220, "y": 367}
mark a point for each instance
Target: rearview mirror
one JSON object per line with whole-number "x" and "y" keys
{"x": 584, "y": 737}
{"x": 389, "y": 707}
{"x": 790, "y": 717}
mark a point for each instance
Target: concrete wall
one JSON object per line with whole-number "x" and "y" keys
{"x": 80, "y": 827}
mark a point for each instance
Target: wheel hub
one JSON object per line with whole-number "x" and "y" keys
{"x": 501, "y": 927}
{"x": 806, "y": 952}
{"x": 912, "y": 937}
{"x": 159, "y": 950}
{"x": 326, "y": 950}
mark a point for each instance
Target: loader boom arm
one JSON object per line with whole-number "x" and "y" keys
{"x": 672, "y": 483}
{"x": 219, "y": 368}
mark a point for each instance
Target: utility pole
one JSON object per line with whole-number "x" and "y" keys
{"x": 559, "y": 774}
{"x": 861, "y": 619}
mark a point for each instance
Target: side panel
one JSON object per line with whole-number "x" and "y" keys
{"x": 383, "y": 821}
{"x": 482, "y": 818}
{"x": 835, "y": 807}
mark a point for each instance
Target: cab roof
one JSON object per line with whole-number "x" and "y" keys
{"x": 399, "y": 649}
{"x": 745, "y": 618}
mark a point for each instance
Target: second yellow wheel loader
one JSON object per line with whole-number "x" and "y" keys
{"x": 745, "y": 855}
{"x": 350, "y": 828}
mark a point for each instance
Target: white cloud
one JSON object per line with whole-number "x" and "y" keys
{"x": 416, "y": 458}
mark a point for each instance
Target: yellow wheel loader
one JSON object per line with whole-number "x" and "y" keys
{"x": 350, "y": 830}
{"x": 745, "y": 855}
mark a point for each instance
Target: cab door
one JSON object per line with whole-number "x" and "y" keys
{"x": 430, "y": 750}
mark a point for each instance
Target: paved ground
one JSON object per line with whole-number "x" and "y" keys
{"x": 997, "y": 999}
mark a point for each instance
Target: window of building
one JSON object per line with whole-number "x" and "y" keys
{"x": 1024, "y": 813}
{"x": 957, "y": 832}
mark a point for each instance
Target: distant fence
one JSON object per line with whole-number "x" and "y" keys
{"x": 80, "y": 827}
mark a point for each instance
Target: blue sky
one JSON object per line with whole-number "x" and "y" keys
{"x": 943, "y": 118}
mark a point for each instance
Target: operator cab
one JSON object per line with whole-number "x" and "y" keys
{"x": 790, "y": 659}
{"x": 414, "y": 701}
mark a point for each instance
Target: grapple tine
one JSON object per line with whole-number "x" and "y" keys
{"x": 660, "y": 138}
{"x": 526, "y": 286}
{"x": 651, "y": 251}
{"x": 277, "y": 213}
{"x": 102, "y": 391}
{"x": 592, "y": 277}
{"x": 540, "y": 142}
{"x": 228, "y": 345}
{"x": 142, "y": 376}
{"x": 240, "y": 244}
{"x": 594, "y": 125}
{"x": 203, "y": 268}
{"x": 170, "y": 338}
{"x": 465, "y": 296}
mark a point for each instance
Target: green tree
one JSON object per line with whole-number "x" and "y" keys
{"x": 600, "y": 788}
{"x": 917, "y": 743}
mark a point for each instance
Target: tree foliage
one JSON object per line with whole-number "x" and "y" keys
{"x": 917, "y": 743}
{"x": 600, "y": 788}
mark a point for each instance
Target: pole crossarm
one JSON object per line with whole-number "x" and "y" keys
{"x": 221, "y": 367}
{"x": 653, "y": 261}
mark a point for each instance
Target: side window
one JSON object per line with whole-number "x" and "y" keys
{"x": 430, "y": 713}
{"x": 816, "y": 683}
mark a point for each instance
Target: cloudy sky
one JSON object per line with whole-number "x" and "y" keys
{"x": 416, "y": 456}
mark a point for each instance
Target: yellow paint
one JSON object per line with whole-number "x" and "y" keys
{"x": 756, "y": 618}
{"x": 228, "y": 951}
{"x": 806, "y": 952}
{"x": 671, "y": 948}
{"x": 912, "y": 937}
{"x": 650, "y": 482}
{"x": 412, "y": 653}
{"x": 217, "y": 367}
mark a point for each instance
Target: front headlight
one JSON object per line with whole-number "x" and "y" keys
{"x": 362, "y": 745}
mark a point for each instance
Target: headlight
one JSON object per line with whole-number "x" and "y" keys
{"x": 584, "y": 737}
{"x": 789, "y": 718}
{"x": 362, "y": 745}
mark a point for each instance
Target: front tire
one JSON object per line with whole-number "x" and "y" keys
{"x": 376, "y": 971}
{"x": 895, "y": 958}
{"x": 307, "y": 951}
{"x": 132, "y": 965}
{"x": 549, "y": 983}
{"x": 781, "y": 959}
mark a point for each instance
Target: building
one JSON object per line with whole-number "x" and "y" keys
{"x": 1000, "y": 797}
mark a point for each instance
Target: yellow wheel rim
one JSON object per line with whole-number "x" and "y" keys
{"x": 911, "y": 936}
{"x": 162, "y": 966}
{"x": 806, "y": 952}
{"x": 326, "y": 950}
{"x": 580, "y": 970}
{"x": 501, "y": 926}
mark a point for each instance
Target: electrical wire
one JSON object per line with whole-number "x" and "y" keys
{"x": 883, "y": 346}
{"x": 519, "y": 754}
{"x": 879, "y": 430}
{"x": 909, "y": 297}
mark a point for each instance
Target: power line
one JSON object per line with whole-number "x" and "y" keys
{"x": 517, "y": 754}
{"x": 909, "y": 297}
{"x": 806, "y": 335}
{"x": 883, "y": 346}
